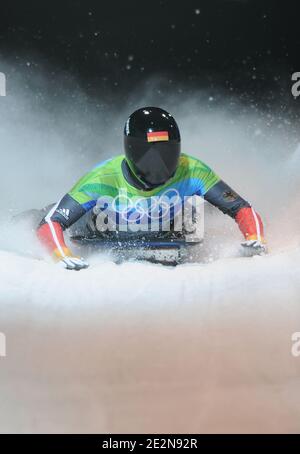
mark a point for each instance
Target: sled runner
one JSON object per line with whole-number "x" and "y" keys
{"x": 155, "y": 250}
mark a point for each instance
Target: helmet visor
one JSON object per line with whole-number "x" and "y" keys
{"x": 154, "y": 163}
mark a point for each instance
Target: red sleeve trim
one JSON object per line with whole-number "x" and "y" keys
{"x": 53, "y": 239}
{"x": 250, "y": 224}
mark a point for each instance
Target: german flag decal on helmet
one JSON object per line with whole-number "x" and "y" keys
{"x": 158, "y": 136}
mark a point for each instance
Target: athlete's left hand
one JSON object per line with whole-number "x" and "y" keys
{"x": 254, "y": 247}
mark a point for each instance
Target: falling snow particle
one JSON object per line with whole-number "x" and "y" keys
{"x": 197, "y": 11}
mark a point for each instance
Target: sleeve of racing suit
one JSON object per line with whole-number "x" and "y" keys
{"x": 61, "y": 216}
{"x": 229, "y": 202}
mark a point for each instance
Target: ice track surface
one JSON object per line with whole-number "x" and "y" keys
{"x": 145, "y": 348}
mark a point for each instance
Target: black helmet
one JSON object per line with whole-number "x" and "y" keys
{"x": 152, "y": 145}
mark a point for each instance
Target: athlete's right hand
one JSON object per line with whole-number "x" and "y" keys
{"x": 73, "y": 263}
{"x": 254, "y": 247}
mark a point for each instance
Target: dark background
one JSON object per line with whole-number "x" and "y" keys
{"x": 246, "y": 47}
